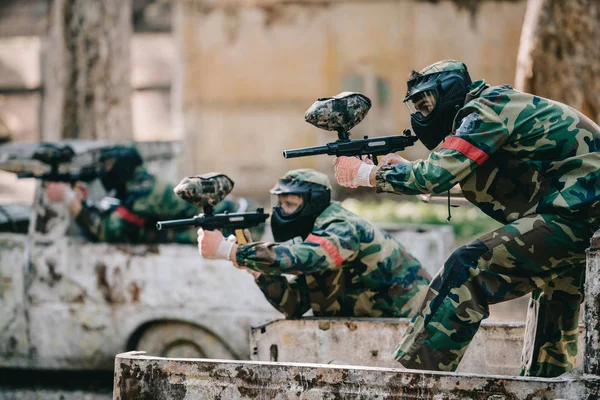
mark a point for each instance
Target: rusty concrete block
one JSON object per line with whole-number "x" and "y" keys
{"x": 592, "y": 308}
{"x": 140, "y": 376}
{"x": 496, "y": 349}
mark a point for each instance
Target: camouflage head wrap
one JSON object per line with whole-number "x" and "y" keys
{"x": 339, "y": 113}
{"x": 305, "y": 175}
{"x": 437, "y": 67}
{"x": 204, "y": 190}
{"x": 444, "y": 66}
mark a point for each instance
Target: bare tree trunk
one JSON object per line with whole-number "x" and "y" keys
{"x": 560, "y": 52}
{"x": 86, "y": 71}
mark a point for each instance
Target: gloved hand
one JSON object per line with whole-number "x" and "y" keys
{"x": 212, "y": 245}
{"x": 248, "y": 236}
{"x": 391, "y": 159}
{"x": 81, "y": 190}
{"x": 352, "y": 172}
{"x": 59, "y": 192}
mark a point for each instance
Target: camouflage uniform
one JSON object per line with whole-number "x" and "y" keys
{"x": 147, "y": 200}
{"x": 532, "y": 164}
{"x": 345, "y": 267}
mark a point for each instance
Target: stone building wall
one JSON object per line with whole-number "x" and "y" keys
{"x": 248, "y": 70}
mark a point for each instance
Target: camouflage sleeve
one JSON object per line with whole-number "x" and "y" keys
{"x": 288, "y": 297}
{"x": 324, "y": 249}
{"x": 478, "y": 136}
{"x": 105, "y": 227}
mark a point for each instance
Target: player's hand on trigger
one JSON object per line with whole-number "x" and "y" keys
{"x": 391, "y": 159}
{"x": 352, "y": 172}
{"x": 59, "y": 192}
{"x": 81, "y": 190}
{"x": 212, "y": 245}
{"x": 248, "y": 236}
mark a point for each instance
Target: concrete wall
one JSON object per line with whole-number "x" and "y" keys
{"x": 495, "y": 350}
{"x": 138, "y": 376}
{"x": 250, "y": 69}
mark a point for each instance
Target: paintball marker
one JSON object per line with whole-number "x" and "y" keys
{"x": 206, "y": 191}
{"x": 54, "y": 155}
{"x": 341, "y": 113}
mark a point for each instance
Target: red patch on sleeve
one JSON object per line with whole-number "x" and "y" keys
{"x": 329, "y": 248}
{"x": 473, "y": 153}
{"x": 130, "y": 217}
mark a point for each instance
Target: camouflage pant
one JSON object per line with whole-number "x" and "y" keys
{"x": 540, "y": 253}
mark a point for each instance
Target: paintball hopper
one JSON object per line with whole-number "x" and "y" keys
{"x": 205, "y": 190}
{"x": 339, "y": 113}
{"x": 53, "y": 154}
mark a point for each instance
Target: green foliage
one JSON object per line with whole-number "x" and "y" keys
{"x": 468, "y": 222}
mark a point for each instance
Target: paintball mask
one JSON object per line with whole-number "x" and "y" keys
{"x": 118, "y": 164}
{"x": 433, "y": 98}
{"x": 314, "y": 189}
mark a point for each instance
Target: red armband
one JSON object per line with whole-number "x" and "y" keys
{"x": 329, "y": 248}
{"x": 478, "y": 156}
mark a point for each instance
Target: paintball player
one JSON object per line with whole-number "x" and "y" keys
{"x": 528, "y": 162}
{"x": 143, "y": 200}
{"x": 344, "y": 266}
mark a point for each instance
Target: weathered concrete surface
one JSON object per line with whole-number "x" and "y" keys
{"x": 495, "y": 350}
{"x": 592, "y": 308}
{"x": 140, "y": 376}
{"x": 50, "y": 394}
{"x": 14, "y": 340}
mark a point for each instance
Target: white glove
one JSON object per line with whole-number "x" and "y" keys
{"x": 212, "y": 244}
{"x": 352, "y": 172}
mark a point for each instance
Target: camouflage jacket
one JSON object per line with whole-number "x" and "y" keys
{"x": 513, "y": 154}
{"x": 345, "y": 267}
{"x": 147, "y": 201}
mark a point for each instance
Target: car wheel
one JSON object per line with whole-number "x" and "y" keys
{"x": 182, "y": 340}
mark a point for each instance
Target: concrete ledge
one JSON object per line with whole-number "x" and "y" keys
{"x": 322, "y": 3}
{"x": 140, "y": 376}
{"x": 495, "y": 350}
